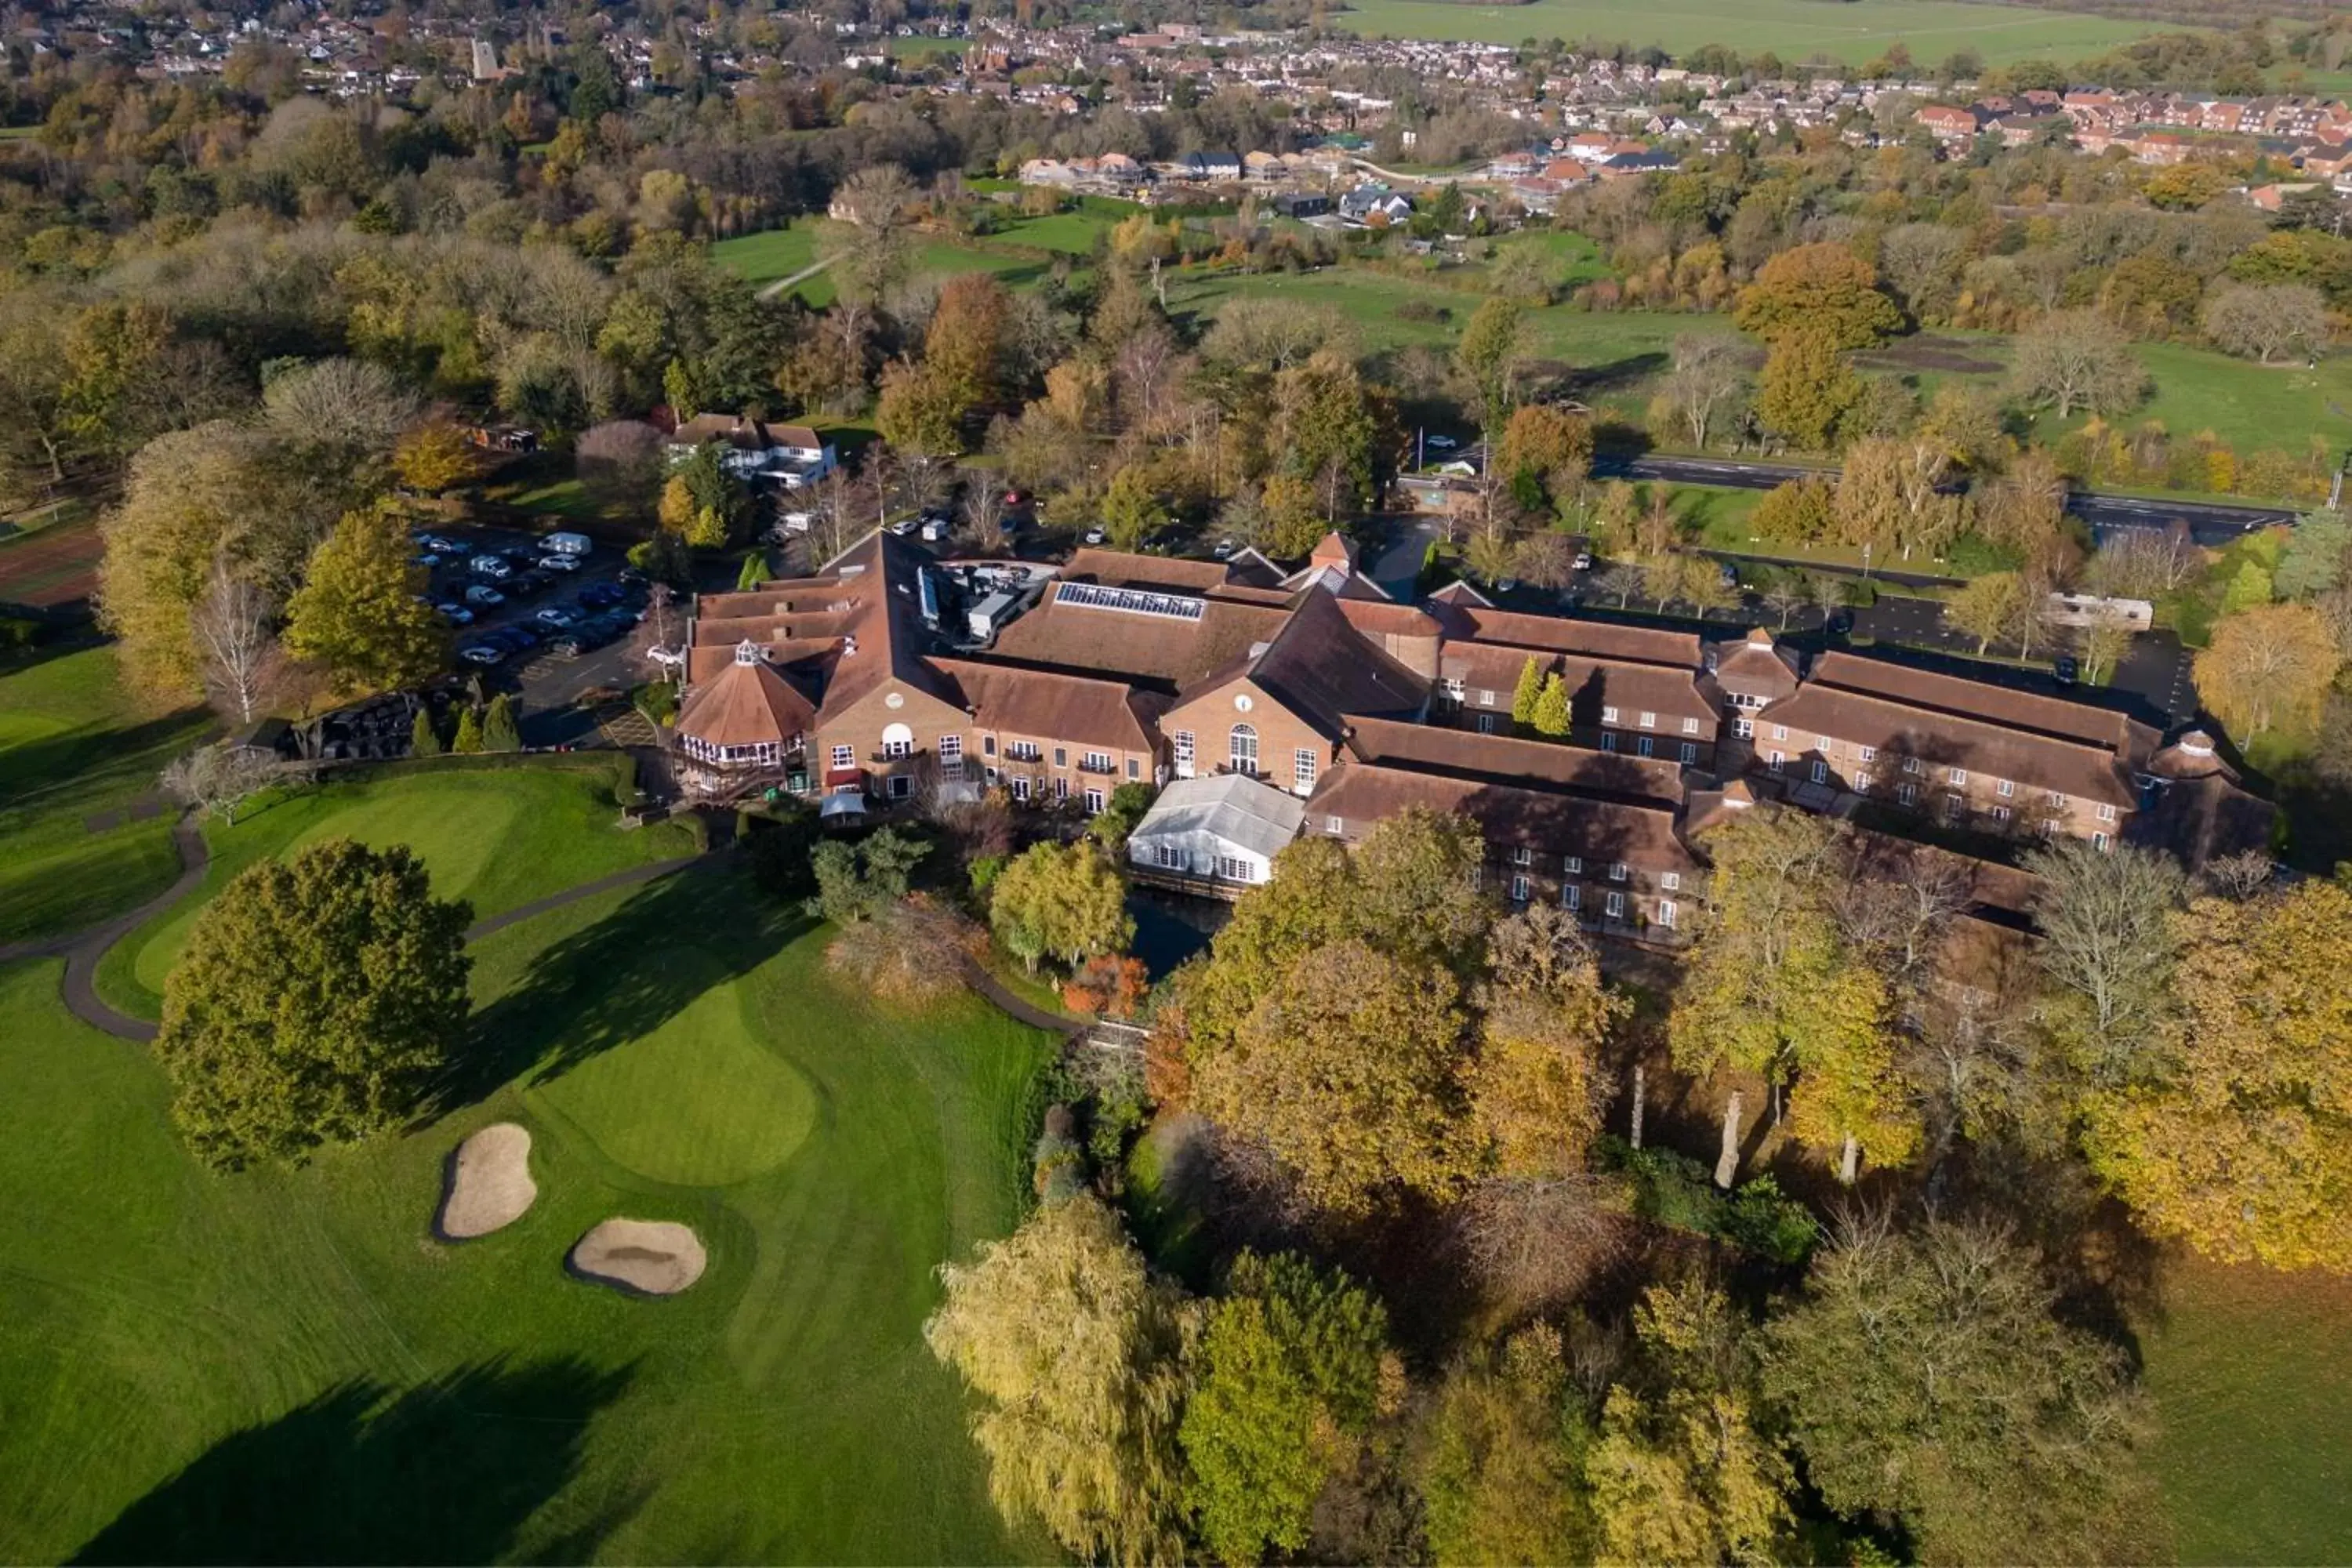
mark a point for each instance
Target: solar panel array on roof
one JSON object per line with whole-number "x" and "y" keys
{"x": 1134, "y": 601}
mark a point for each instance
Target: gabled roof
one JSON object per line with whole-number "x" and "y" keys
{"x": 1051, "y": 705}
{"x": 1502, "y": 758}
{"x": 1232, "y": 807}
{"x": 1320, "y": 669}
{"x": 1601, "y": 830}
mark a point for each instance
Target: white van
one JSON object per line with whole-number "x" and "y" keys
{"x": 568, "y": 543}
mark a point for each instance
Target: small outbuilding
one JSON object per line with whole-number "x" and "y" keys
{"x": 1224, "y": 829}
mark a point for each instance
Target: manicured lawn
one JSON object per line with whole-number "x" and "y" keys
{"x": 776, "y": 253}
{"x": 2250, "y": 1383}
{"x": 498, "y": 838}
{"x": 770, "y": 253}
{"x": 74, "y": 745}
{"x": 1858, "y": 31}
{"x": 327, "y": 1382}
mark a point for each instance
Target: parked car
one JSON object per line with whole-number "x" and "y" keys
{"x": 2066, "y": 669}
{"x": 1729, "y": 575}
{"x": 568, "y": 543}
{"x": 456, "y": 615}
{"x": 428, "y": 561}
{"x": 1442, "y": 443}
{"x": 558, "y": 618}
{"x": 1226, "y": 549}
{"x": 1583, "y": 561}
{"x": 523, "y": 585}
{"x": 903, "y": 526}
{"x": 523, "y": 635}
{"x": 1840, "y": 623}
{"x": 1095, "y": 536}
{"x": 600, "y": 595}
{"x": 484, "y": 595}
{"x": 491, "y": 566}
{"x": 560, "y": 564}
{"x": 447, "y": 546}
{"x": 483, "y": 653}
{"x": 935, "y": 531}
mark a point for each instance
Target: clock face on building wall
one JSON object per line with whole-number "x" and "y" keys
{"x": 1243, "y": 703}
{"x": 893, "y": 700}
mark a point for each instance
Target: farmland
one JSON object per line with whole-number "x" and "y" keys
{"x": 1796, "y": 29}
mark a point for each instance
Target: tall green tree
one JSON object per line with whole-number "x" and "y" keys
{"x": 1523, "y": 695}
{"x": 499, "y": 731}
{"x": 358, "y": 612}
{"x": 316, "y": 1001}
{"x": 1489, "y": 358}
{"x": 1927, "y": 1382}
{"x": 1502, "y": 1459}
{"x": 1289, "y": 1376}
{"x": 1078, "y": 1358}
{"x": 1550, "y": 716}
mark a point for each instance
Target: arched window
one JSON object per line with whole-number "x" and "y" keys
{"x": 1244, "y": 749}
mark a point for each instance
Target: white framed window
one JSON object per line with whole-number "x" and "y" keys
{"x": 1241, "y": 747}
{"x": 1095, "y": 761}
{"x": 1233, "y": 868}
{"x": 1061, "y": 756}
{"x": 1094, "y": 802}
{"x": 1666, "y": 913}
{"x": 988, "y": 745}
{"x": 1573, "y": 864}
{"x": 1336, "y": 827}
{"x": 1957, "y": 777}
{"x": 2005, "y": 788}
{"x": 1608, "y": 741}
{"x": 1913, "y": 765}
{"x": 1774, "y": 759}
{"x": 844, "y": 757}
{"x": 2098, "y": 841}
{"x": 1643, "y": 745}
{"x": 1302, "y": 770}
{"x": 1745, "y": 728}
{"x": 896, "y": 751}
{"x": 1649, "y": 721}
{"x": 1181, "y": 745}
{"x": 1061, "y": 788}
{"x": 1135, "y": 767}
{"x": 1690, "y": 752}
{"x": 1450, "y": 689}
{"x": 1821, "y": 771}
{"x": 2056, "y": 800}
{"x": 1486, "y": 696}
{"x": 991, "y": 778}
{"x": 1619, "y": 871}
{"x": 1616, "y": 906}
{"x": 1021, "y": 787}
{"x": 2000, "y": 814}
{"x": 1690, "y": 726}
{"x": 1867, "y": 753}
{"x": 1824, "y": 743}
{"x": 2107, "y": 812}
{"x": 1486, "y": 723}
{"x": 1779, "y": 732}
{"x": 1168, "y": 858}
{"x": 1023, "y": 751}
{"x": 1522, "y": 856}
{"x": 952, "y": 748}
{"x": 901, "y": 786}
{"x": 1608, "y": 715}
{"x": 1908, "y": 793}
{"x": 1671, "y": 881}
{"x": 1862, "y": 782}
{"x": 1518, "y": 889}
{"x": 1572, "y": 897}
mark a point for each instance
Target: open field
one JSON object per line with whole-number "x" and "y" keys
{"x": 1795, "y": 29}
{"x": 496, "y": 838}
{"x": 53, "y": 564}
{"x": 2250, "y": 1387}
{"x": 74, "y": 749}
{"x": 282, "y": 1365}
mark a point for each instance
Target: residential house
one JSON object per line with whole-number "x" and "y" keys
{"x": 793, "y": 455}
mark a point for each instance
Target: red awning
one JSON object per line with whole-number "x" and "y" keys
{"x": 843, "y": 776}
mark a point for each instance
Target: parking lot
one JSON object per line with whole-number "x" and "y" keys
{"x": 549, "y": 632}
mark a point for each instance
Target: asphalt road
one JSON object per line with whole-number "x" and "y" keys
{"x": 2210, "y": 523}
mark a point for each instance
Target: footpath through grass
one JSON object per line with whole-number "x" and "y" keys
{"x": 75, "y": 746}
{"x": 498, "y": 838}
{"x": 284, "y": 1365}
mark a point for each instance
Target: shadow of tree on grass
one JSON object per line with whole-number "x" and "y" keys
{"x": 446, "y": 1472}
{"x": 621, "y": 978}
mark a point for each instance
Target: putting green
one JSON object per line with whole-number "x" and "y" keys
{"x": 696, "y": 1103}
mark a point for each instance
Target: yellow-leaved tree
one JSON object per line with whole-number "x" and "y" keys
{"x": 2242, "y": 1146}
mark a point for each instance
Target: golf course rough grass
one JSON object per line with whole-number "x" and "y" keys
{"x": 74, "y": 746}
{"x": 1856, "y": 32}
{"x": 297, "y": 1343}
{"x": 498, "y": 838}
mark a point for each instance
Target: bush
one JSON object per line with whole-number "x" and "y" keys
{"x": 657, "y": 700}
{"x": 1057, "y": 1164}
{"x": 1113, "y": 987}
{"x": 1759, "y": 1219}
{"x": 625, "y": 793}
{"x": 1669, "y": 1188}
{"x": 913, "y": 951}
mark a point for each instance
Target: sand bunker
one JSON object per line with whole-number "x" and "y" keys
{"x": 489, "y": 1184}
{"x": 653, "y": 1257}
